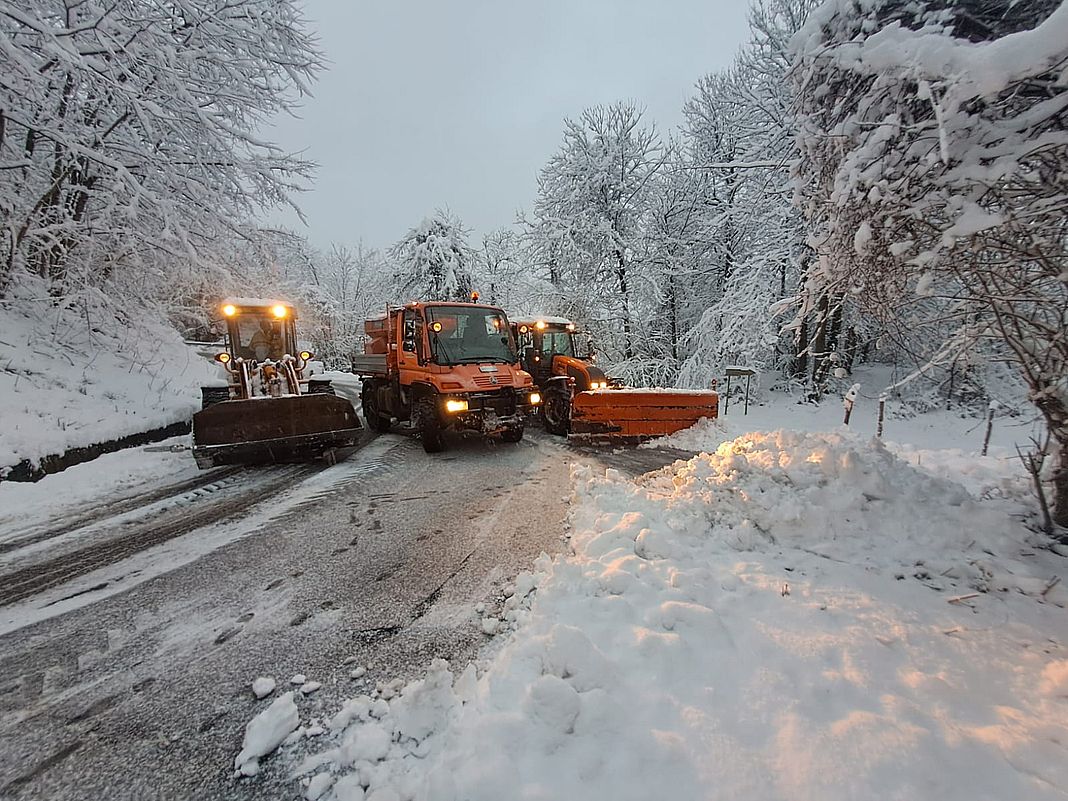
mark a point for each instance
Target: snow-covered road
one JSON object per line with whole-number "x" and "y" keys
{"x": 380, "y": 560}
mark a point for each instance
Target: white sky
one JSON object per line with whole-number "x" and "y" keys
{"x": 459, "y": 103}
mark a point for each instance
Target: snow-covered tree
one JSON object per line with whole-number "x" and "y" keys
{"x": 592, "y": 199}
{"x": 433, "y": 261}
{"x": 934, "y": 176}
{"x": 744, "y": 252}
{"x": 128, "y": 130}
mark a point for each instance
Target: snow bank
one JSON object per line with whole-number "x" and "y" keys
{"x": 71, "y": 378}
{"x": 794, "y": 616}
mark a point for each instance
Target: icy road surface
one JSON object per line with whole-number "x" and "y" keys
{"x": 132, "y": 637}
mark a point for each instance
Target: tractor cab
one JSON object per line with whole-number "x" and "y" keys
{"x": 259, "y": 330}
{"x": 549, "y": 347}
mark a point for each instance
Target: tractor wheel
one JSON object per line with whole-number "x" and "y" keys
{"x": 209, "y": 396}
{"x": 513, "y": 434}
{"x": 376, "y": 421}
{"x": 430, "y": 426}
{"x": 556, "y": 411}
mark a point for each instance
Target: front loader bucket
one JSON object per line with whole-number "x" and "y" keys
{"x": 632, "y": 415}
{"x": 289, "y": 428}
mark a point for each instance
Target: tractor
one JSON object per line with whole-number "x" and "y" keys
{"x": 579, "y": 400}
{"x": 271, "y": 408}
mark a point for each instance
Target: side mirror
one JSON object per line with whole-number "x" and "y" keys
{"x": 528, "y": 354}
{"x": 408, "y": 345}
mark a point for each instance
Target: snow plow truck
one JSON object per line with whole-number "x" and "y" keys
{"x": 271, "y": 408}
{"x": 442, "y": 366}
{"x": 581, "y": 401}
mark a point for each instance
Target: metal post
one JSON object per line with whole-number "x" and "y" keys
{"x": 727, "y": 398}
{"x": 746, "y": 411}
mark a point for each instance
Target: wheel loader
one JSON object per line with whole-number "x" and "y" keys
{"x": 581, "y": 401}
{"x": 440, "y": 367}
{"x": 271, "y": 408}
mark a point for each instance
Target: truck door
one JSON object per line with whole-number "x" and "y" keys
{"x": 410, "y": 345}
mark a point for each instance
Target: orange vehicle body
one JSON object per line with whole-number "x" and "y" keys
{"x": 444, "y": 366}
{"x": 580, "y": 401}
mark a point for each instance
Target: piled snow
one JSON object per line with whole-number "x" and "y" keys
{"x": 109, "y": 478}
{"x": 800, "y": 616}
{"x": 70, "y": 378}
{"x": 265, "y": 732}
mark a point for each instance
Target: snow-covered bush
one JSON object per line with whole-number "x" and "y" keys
{"x": 934, "y": 177}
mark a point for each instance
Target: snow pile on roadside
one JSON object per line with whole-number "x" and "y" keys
{"x": 999, "y": 474}
{"x": 796, "y": 616}
{"x": 70, "y": 379}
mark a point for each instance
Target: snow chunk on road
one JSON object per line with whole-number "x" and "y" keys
{"x": 308, "y": 687}
{"x": 263, "y": 686}
{"x": 265, "y": 732}
{"x": 318, "y": 786}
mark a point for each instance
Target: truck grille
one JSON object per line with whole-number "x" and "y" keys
{"x": 487, "y": 381}
{"x": 503, "y": 403}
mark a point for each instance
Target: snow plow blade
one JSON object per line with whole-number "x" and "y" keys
{"x": 626, "y": 416}
{"x": 264, "y": 430}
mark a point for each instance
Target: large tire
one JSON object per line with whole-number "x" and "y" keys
{"x": 430, "y": 432}
{"x": 513, "y": 434}
{"x": 209, "y": 396}
{"x": 376, "y": 420}
{"x": 556, "y": 411}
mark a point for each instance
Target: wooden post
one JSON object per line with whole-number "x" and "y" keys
{"x": 848, "y": 401}
{"x": 989, "y": 426}
{"x": 882, "y": 412}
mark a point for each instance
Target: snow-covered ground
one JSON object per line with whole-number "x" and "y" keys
{"x": 71, "y": 378}
{"x": 789, "y": 615}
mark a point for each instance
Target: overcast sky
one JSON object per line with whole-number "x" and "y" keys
{"x": 459, "y": 103}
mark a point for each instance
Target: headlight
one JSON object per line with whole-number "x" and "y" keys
{"x": 535, "y": 397}
{"x": 455, "y": 405}
{"x": 597, "y": 385}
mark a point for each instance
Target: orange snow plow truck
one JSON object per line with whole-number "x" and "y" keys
{"x": 439, "y": 367}
{"x": 579, "y": 400}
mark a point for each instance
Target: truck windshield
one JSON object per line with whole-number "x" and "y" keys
{"x": 558, "y": 342}
{"x": 464, "y": 335}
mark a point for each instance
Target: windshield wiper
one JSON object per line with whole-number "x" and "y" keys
{"x": 475, "y": 359}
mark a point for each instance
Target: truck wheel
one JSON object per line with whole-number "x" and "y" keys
{"x": 430, "y": 427}
{"x": 376, "y": 421}
{"x": 513, "y": 434}
{"x": 209, "y": 396}
{"x": 556, "y": 411}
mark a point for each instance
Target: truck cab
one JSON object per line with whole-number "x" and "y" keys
{"x": 445, "y": 366}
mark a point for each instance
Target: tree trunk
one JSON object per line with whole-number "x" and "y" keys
{"x": 621, "y": 274}
{"x": 800, "y": 365}
{"x": 1060, "y": 486}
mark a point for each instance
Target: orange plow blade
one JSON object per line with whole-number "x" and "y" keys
{"x": 633, "y": 415}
